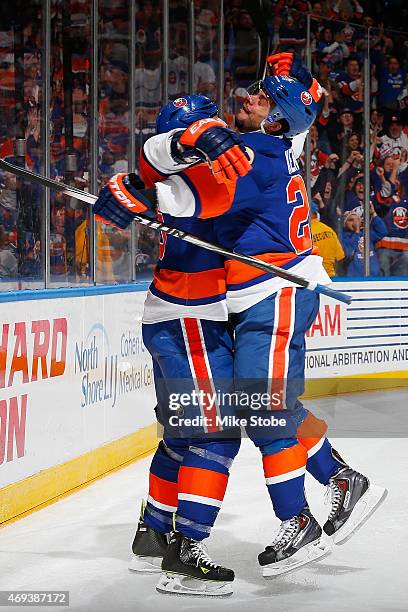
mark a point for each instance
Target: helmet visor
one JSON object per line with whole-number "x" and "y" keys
{"x": 258, "y": 91}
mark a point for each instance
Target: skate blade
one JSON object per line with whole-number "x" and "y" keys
{"x": 177, "y": 584}
{"x": 315, "y": 551}
{"x": 145, "y": 565}
{"x": 364, "y": 508}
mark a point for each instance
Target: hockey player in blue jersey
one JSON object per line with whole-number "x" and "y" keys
{"x": 184, "y": 328}
{"x": 251, "y": 299}
{"x": 167, "y": 300}
{"x": 268, "y": 218}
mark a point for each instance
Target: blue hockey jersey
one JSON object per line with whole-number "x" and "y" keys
{"x": 267, "y": 216}
{"x": 188, "y": 281}
{"x": 396, "y": 221}
{"x": 353, "y": 245}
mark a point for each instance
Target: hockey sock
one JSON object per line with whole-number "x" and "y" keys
{"x": 202, "y": 482}
{"x": 323, "y": 461}
{"x": 162, "y": 498}
{"x": 285, "y": 476}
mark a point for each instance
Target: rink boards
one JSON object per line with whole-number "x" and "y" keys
{"x": 77, "y": 392}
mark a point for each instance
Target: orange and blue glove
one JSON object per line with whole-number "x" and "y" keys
{"x": 121, "y": 200}
{"x": 219, "y": 146}
{"x": 290, "y": 64}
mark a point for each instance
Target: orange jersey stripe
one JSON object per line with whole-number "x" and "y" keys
{"x": 287, "y": 460}
{"x": 198, "y": 481}
{"x": 390, "y": 243}
{"x": 238, "y": 272}
{"x": 283, "y": 333}
{"x": 190, "y": 285}
{"x": 202, "y": 373}
{"x": 215, "y": 198}
{"x": 163, "y": 491}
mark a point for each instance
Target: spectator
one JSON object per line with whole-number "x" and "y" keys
{"x": 352, "y": 240}
{"x": 204, "y": 78}
{"x": 119, "y": 252}
{"x": 354, "y": 194}
{"x": 391, "y": 82}
{"x": 8, "y": 194}
{"x": 395, "y": 140}
{"x": 377, "y": 121}
{"x": 352, "y": 160}
{"x": 393, "y": 247}
{"x": 333, "y": 46}
{"x": 8, "y": 259}
{"x": 349, "y": 35}
{"x": 351, "y": 86}
{"x": 325, "y": 80}
{"x": 352, "y": 144}
{"x": 325, "y": 238}
{"x": 403, "y": 104}
{"x": 376, "y": 131}
{"x": 318, "y": 157}
{"x": 324, "y": 195}
{"x": 104, "y": 273}
{"x": 403, "y": 170}
{"x": 292, "y": 34}
{"x": 205, "y": 31}
{"x": 244, "y": 59}
{"x": 339, "y": 130}
{"x": 58, "y": 243}
{"x": 383, "y": 179}
{"x": 346, "y": 10}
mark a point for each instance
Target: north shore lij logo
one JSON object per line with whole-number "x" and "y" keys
{"x": 107, "y": 373}
{"x": 98, "y": 367}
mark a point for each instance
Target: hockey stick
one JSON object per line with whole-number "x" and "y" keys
{"x": 89, "y": 198}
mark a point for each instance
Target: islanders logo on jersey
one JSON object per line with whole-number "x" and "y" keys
{"x": 180, "y": 102}
{"x": 400, "y": 217}
{"x": 306, "y": 98}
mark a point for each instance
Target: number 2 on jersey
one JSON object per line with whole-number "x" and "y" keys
{"x": 300, "y": 234}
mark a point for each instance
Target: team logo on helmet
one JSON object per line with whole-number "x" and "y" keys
{"x": 180, "y": 102}
{"x": 306, "y": 98}
{"x": 400, "y": 217}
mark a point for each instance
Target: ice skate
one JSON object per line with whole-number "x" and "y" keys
{"x": 353, "y": 500}
{"x": 188, "y": 570}
{"x": 299, "y": 541}
{"x": 148, "y": 548}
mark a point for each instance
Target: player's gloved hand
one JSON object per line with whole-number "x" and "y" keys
{"x": 120, "y": 200}
{"x": 219, "y": 146}
{"x": 290, "y": 64}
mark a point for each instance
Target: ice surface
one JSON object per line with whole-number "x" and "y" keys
{"x": 82, "y": 543}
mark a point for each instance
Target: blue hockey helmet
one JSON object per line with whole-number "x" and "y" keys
{"x": 292, "y": 102}
{"x": 182, "y": 112}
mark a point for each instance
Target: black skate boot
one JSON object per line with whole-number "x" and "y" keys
{"x": 148, "y": 548}
{"x": 353, "y": 499}
{"x": 298, "y": 542}
{"x": 188, "y": 570}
